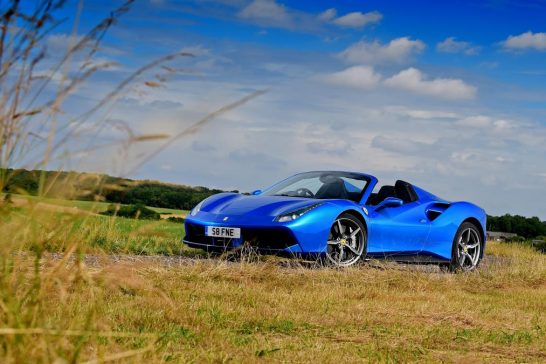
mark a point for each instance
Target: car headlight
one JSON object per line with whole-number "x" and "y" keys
{"x": 196, "y": 209}
{"x": 293, "y": 215}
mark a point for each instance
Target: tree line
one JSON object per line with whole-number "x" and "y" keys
{"x": 527, "y": 227}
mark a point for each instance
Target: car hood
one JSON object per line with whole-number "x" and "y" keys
{"x": 232, "y": 204}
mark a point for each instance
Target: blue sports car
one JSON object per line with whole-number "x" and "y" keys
{"x": 337, "y": 216}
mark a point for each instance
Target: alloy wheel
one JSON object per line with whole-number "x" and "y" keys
{"x": 468, "y": 249}
{"x": 346, "y": 242}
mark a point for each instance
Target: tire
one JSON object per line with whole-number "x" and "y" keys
{"x": 347, "y": 241}
{"x": 467, "y": 250}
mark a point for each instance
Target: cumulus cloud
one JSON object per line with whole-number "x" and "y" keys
{"x": 355, "y": 19}
{"x": 358, "y": 19}
{"x": 275, "y": 14}
{"x": 451, "y": 45}
{"x": 412, "y": 79}
{"x": 528, "y": 40}
{"x": 328, "y": 14}
{"x": 265, "y": 10}
{"x": 398, "y": 50}
{"x": 363, "y": 77}
{"x": 499, "y": 126}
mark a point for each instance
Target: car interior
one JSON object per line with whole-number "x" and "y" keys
{"x": 334, "y": 187}
{"x": 401, "y": 189}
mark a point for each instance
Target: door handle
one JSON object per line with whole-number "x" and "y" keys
{"x": 422, "y": 221}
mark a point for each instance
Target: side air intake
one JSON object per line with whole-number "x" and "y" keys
{"x": 436, "y": 209}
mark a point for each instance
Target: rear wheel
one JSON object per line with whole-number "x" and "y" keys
{"x": 346, "y": 242}
{"x": 467, "y": 248}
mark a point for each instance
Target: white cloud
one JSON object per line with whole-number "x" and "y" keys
{"x": 528, "y": 40}
{"x": 358, "y": 19}
{"x": 543, "y": 175}
{"x": 328, "y": 14}
{"x": 499, "y": 126}
{"x": 363, "y": 77}
{"x": 397, "y": 145}
{"x": 476, "y": 121}
{"x": 275, "y": 14}
{"x": 421, "y": 113}
{"x": 265, "y": 10}
{"x": 412, "y": 79}
{"x": 355, "y": 19}
{"x": 451, "y": 45}
{"x": 398, "y": 50}
{"x": 463, "y": 156}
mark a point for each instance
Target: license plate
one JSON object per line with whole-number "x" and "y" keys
{"x": 223, "y": 232}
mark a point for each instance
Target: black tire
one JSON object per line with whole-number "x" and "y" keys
{"x": 352, "y": 240}
{"x": 467, "y": 249}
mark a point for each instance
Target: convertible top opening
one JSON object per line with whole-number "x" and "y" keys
{"x": 401, "y": 189}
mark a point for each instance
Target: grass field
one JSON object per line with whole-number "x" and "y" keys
{"x": 86, "y": 206}
{"x": 56, "y": 230}
{"x": 185, "y": 307}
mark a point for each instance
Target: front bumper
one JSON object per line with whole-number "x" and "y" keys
{"x": 279, "y": 239}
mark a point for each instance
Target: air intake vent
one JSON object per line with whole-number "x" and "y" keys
{"x": 436, "y": 209}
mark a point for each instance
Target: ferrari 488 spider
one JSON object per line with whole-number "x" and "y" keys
{"x": 337, "y": 216}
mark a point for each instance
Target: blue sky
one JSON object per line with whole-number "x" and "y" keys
{"x": 448, "y": 95}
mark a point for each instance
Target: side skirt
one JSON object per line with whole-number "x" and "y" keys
{"x": 405, "y": 257}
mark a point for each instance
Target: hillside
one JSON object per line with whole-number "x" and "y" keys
{"x": 102, "y": 187}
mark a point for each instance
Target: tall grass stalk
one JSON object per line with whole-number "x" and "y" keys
{"x": 35, "y": 131}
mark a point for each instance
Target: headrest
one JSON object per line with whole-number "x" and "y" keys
{"x": 329, "y": 178}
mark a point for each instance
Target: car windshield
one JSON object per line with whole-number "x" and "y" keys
{"x": 322, "y": 185}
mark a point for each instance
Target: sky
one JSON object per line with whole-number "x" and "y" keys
{"x": 450, "y": 96}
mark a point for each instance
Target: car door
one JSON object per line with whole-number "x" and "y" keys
{"x": 400, "y": 229}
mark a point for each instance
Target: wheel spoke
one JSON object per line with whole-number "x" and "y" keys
{"x": 467, "y": 240}
{"x": 339, "y": 228}
{"x": 353, "y": 250}
{"x": 474, "y": 259}
{"x": 353, "y": 234}
{"x": 332, "y": 242}
{"x": 473, "y": 245}
{"x": 341, "y": 255}
{"x": 462, "y": 258}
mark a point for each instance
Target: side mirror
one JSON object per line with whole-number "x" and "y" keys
{"x": 389, "y": 202}
{"x": 257, "y": 192}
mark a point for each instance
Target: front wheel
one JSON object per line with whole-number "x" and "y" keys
{"x": 467, "y": 248}
{"x": 346, "y": 242}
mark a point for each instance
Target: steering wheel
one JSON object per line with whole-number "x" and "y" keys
{"x": 305, "y": 192}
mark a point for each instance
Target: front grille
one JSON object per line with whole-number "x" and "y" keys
{"x": 268, "y": 238}
{"x": 262, "y": 238}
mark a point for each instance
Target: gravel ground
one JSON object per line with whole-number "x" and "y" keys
{"x": 98, "y": 261}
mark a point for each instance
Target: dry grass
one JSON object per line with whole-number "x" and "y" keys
{"x": 215, "y": 311}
